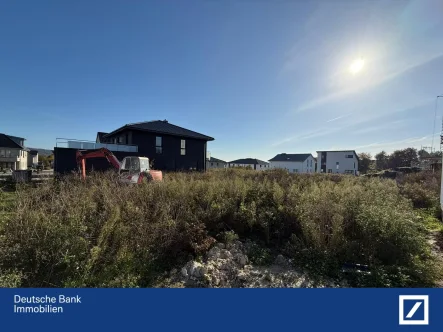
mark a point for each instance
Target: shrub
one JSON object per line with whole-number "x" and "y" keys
{"x": 99, "y": 233}
{"x": 423, "y": 189}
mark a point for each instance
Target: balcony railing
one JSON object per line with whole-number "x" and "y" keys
{"x": 91, "y": 145}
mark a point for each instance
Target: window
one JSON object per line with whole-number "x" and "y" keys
{"x": 144, "y": 164}
{"x": 329, "y": 170}
{"x": 158, "y": 145}
{"x": 349, "y": 171}
{"x": 8, "y": 153}
{"x": 183, "y": 147}
{"x": 350, "y": 156}
{"x": 295, "y": 170}
{"x": 2, "y": 153}
{"x": 120, "y": 139}
{"x": 311, "y": 162}
{"x": 212, "y": 164}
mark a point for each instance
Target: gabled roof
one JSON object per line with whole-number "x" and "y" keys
{"x": 100, "y": 135}
{"x": 7, "y": 141}
{"x": 296, "y": 157}
{"x": 162, "y": 127}
{"x": 215, "y": 160}
{"x": 249, "y": 161}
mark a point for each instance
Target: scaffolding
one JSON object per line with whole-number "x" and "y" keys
{"x": 430, "y": 162}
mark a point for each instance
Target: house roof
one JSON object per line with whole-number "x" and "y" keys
{"x": 215, "y": 160}
{"x": 7, "y": 141}
{"x": 16, "y": 138}
{"x": 33, "y": 152}
{"x": 162, "y": 127}
{"x": 100, "y": 135}
{"x": 249, "y": 161}
{"x": 296, "y": 157}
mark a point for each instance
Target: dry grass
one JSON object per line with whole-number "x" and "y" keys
{"x": 100, "y": 233}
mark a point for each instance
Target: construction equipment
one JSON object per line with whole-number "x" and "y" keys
{"x": 131, "y": 169}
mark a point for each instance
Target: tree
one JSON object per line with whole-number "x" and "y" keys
{"x": 364, "y": 162}
{"x": 423, "y": 153}
{"x": 46, "y": 160}
{"x": 403, "y": 158}
{"x": 436, "y": 154}
{"x": 381, "y": 160}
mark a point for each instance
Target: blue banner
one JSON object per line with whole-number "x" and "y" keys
{"x": 221, "y": 309}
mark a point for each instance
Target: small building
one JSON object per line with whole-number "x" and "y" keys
{"x": 255, "y": 164}
{"x": 294, "y": 163}
{"x": 215, "y": 163}
{"x": 32, "y": 158}
{"x": 341, "y": 162}
{"x": 13, "y": 154}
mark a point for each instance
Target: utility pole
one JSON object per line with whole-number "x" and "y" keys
{"x": 441, "y": 142}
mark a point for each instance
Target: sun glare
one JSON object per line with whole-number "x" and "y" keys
{"x": 357, "y": 66}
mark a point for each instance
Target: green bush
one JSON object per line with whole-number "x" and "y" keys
{"x": 423, "y": 189}
{"x": 99, "y": 233}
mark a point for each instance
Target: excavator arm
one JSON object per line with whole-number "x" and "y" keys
{"x": 81, "y": 159}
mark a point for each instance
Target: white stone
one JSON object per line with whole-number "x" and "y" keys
{"x": 242, "y": 259}
{"x": 194, "y": 269}
{"x": 225, "y": 254}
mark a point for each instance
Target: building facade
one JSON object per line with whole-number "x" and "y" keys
{"x": 294, "y": 163}
{"x": 341, "y": 162}
{"x": 169, "y": 147}
{"x": 32, "y": 158}
{"x": 13, "y": 154}
{"x": 215, "y": 163}
{"x": 255, "y": 164}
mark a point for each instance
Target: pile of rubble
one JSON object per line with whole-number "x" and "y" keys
{"x": 229, "y": 266}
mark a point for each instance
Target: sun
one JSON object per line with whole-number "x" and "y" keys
{"x": 357, "y": 66}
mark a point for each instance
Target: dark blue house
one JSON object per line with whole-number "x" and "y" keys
{"x": 169, "y": 147}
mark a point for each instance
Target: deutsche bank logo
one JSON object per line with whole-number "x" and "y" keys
{"x": 414, "y": 309}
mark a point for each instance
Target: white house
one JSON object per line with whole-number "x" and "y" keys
{"x": 32, "y": 158}
{"x": 294, "y": 163}
{"x": 343, "y": 162}
{"x": 13, "y": 154}
{"x": 212, "y": 162}
{"x": 255, "y": 164}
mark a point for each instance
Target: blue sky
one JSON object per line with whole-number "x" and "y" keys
{"x": 261, "y": 77}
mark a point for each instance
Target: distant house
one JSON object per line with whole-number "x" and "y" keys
{"x": 256, "y": 164}
{"x": 342, "y": 162}
{"x": 294, "y": 163}
{"x": 32, "y": 158}
{"x": 168, "y": 146}
{"x": 216, "y": 163}
{"x": 13, "y": 154}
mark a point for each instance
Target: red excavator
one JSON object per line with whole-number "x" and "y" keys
{"x": 131, "y": 169}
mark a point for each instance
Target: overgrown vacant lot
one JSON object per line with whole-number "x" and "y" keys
{"x": 100, "y": 233}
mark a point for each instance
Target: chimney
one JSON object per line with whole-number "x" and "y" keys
{"x": 165, "y": 120}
